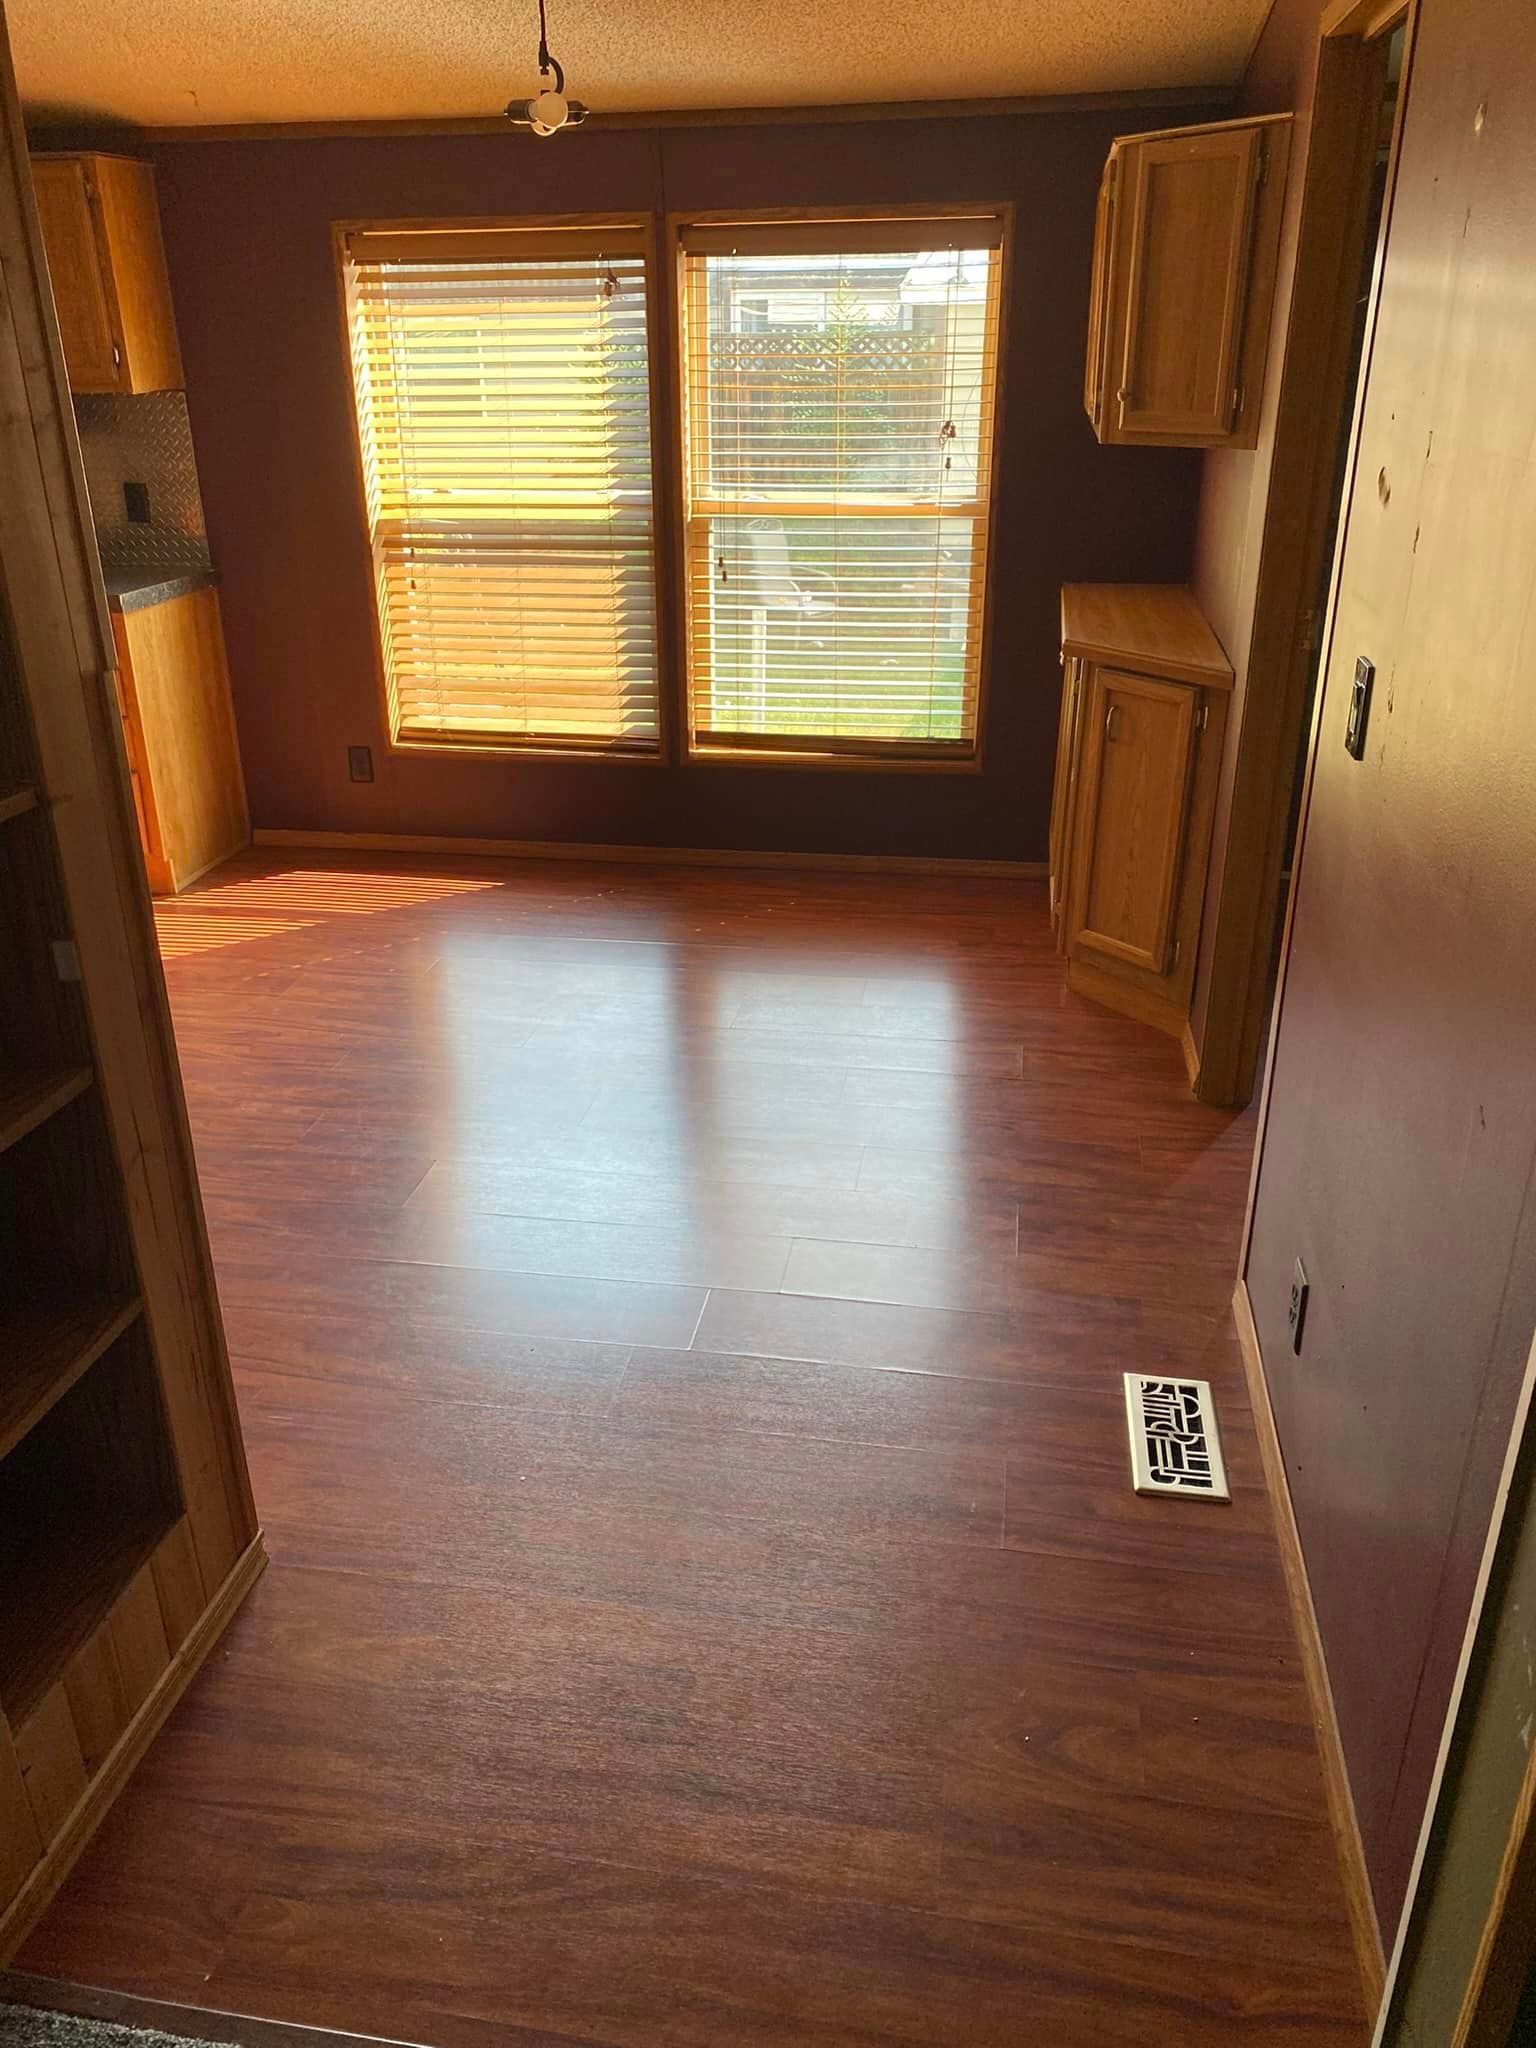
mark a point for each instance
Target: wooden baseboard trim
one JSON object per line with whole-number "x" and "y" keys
{"x": 1191, "y": 1053}
{"x": 66, "y": 1846}
{"x": 1358, "y": 1897}
{"x": 199, "y": 2023}
{"x": 648, "y": 856}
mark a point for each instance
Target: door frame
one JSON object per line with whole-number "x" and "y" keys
{"x": 1318, "y": 391}
{"x": 1467, "y": 1937}
{"x": 1299, "y": 519}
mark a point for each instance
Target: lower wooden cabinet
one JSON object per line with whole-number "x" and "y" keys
{"x": 1144, "y": 706}
{"x": 179, "y": 734}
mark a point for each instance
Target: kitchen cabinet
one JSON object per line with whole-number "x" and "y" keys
{"x": 1185, "y": 246}
{"x": 1144, "y": 705}
{"x": 106, "y": 262}
{"x": 178, "y": 730}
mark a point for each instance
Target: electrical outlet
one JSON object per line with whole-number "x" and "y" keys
{"x": 360, "y": 763}
{"x": 1296, "y": 1314}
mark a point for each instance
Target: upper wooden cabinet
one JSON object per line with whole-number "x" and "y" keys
{"x": 106, "y": 261}
{"x": 1183, "y": 280}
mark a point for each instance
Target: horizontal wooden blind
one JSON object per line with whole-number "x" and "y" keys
{"x": 841, "y": 387}
{"x": 503, "y": 407}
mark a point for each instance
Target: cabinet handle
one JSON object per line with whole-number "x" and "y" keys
{"x": 1109, "y": 722}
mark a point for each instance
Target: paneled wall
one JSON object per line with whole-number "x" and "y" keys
{"x": 1399, "y": 1153}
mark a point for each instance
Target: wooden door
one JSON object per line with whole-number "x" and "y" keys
{"x": 1184, "y": 238}
{"x": 1136, "y": 751}
{"x": 79, "y": 273}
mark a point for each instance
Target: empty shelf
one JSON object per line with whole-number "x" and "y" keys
{"x": 61, "y": 1583}
{"x": 45, "y": 1349}
{"x": 27, "y": 1100}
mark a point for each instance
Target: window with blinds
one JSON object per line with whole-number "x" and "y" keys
{"x": 841, "y": 383}
{"x": 503, "y": 413}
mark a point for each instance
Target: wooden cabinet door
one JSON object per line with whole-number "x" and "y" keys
{"x": 1098, "y": 296}
{"x": 155, "y": 863}
{"x": 1136, "y": 751}
{"x": 1063, "y": 794}
{"x": 173, "y": 655}
{"x": 106, "y": 260}
{"x": 79, "y": 272}
{"x": 1183, "y": 240}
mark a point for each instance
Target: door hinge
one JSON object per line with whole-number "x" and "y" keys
{"x": 1237, "y": 401}
{"x": 1178, "y": 947}
{"x": 1204, "y": 719}
{"x": 1311, "y": 632}
{"x": 1261, "y": 162}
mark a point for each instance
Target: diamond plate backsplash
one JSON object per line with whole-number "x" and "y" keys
{"x": 143, "y": 441}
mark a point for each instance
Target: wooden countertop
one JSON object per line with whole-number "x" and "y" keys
{"x": 1155, "y": 628}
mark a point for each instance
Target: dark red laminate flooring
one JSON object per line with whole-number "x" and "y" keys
{"x": 678, "y": 1318}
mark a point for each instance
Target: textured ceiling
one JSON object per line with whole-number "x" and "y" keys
{"x": 195, "y": 62}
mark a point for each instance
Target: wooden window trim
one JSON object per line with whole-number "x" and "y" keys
{"x": 660, "y": 242}
{"x": 544, "y": 233}
{"x": 799, "y": 227}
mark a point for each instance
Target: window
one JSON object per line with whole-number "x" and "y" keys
{"x": 840, "y": 384}
{"x": 503, "y": 414}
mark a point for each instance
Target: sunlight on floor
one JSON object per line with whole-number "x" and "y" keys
{"x": 272, "y": 904}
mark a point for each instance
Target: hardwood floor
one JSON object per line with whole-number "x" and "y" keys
{"x": 678, "y": 1317}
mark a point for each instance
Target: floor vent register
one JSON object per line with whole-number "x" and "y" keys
{"x": 1175, "y": 1444}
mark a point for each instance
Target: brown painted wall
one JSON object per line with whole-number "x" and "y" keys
{"x": 1235, "y": 482}
{"x": 1399, "y": 1152}
{"x": 248, "y": 232}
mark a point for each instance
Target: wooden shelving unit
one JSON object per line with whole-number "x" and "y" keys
{"x": 127, "y": 1532}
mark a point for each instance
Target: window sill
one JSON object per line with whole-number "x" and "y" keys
{"x": 805, "y": 760}
{"x": 530, "y": 750}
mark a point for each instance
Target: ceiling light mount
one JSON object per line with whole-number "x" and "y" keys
{"x": 549, "y": 110}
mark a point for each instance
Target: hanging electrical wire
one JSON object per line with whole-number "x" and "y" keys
{"x": 549, "y": 110}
